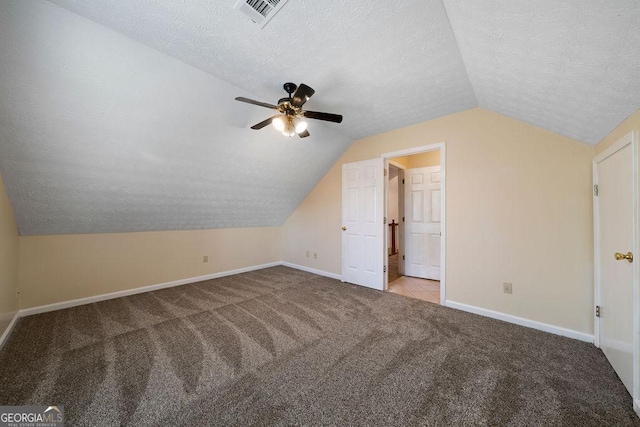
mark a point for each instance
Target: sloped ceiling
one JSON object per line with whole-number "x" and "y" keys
{"x": 118, "y": 115}
{"x": 572, "y": 67}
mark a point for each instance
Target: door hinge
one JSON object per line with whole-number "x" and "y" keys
{"x": 597, "y": 311}
{"x": 595, "y": 190}
{"x": 403, "y": 257}
{"x": 402, "y": 219}
{"x": 385, "y": 269}
{"x": 385, "y": 172}
{"x": 403, "y": 180}
{"x": 384, "y": 221}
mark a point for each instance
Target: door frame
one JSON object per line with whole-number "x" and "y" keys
{"x": 443, "y": 242}
{"x": 629, "y": 139}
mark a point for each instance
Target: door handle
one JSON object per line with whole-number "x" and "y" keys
{"x": 628, "y": 256}
{"x": 344, "y": 228}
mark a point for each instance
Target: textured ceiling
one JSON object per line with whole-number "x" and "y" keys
{"x": 572, "y": 67}
{"x": 128, "y": 123}
{"x": 99, "y": 133}
{"x": 383, "y": 65}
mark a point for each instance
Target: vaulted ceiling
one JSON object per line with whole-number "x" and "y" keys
{"x": 118, "y": 115}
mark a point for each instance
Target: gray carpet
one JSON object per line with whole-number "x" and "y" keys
{"x": 284, "y": 347}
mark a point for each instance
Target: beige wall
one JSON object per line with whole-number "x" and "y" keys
{"x": 632, "y": 123}
{"x": 404, "y": 161}
{"x": 423, "y": 160}
{"x": 518, "y": 210}
{"x": 8, "y": 261}
{"x": 65, "y": 267}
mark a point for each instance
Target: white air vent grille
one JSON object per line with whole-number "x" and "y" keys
{"x": 260, "y": 11}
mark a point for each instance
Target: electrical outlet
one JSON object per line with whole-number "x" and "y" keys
{"x": 205, "y": 258}
{"x": 507, "y": 288}
{"x": 315, "y": 255}
{"x": 307, "y": 254}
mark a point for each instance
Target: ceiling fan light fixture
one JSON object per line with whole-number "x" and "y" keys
{"x": 301, "y": 126}
{"x": 290, "y": 120}
{"x": 278, "y": 123}
{"x": 289, "y": 128}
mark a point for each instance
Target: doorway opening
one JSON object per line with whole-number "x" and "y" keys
{"x": 414, "y": 194}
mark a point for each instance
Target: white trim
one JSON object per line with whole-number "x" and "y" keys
{"x": 312, "y": 270}
{"x": 9, "y": 329}
{"x": 443, "y": 228}
{"x": 413, "y": 150}
{"x": 635, "y": 388}
{"x": 629, "y": 139}
{"x": 596, "y": 257}
{"x": 636, "y": 406}
{"x": 127, "y": 292}
{"x": 443, "y": 206}
{"x": 614, "y": 148}
{"x": 557, "y": 330}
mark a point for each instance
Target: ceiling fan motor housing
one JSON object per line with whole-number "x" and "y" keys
{"x": 290, "y": 88}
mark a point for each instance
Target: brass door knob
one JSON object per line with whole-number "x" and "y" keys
{"x": 344, "y": 228}
{"x": 628, "y": 256}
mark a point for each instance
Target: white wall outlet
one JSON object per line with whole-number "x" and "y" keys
{"x": 315, "y": 255}
{"x": 507, "y": 288}
{"x": 307, "y": 254}
{"x": 205, "y": 258}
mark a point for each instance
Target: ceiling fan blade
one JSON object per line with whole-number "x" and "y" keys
{"x": 304, "y": 134}
{"x": 263, "y": 123}
{"x": 302, "y": 95}
{"x": 251, "y": 101}
{"x": 336, "y": 118}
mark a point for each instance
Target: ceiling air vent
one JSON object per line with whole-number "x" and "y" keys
{"x": 260, "y": 11}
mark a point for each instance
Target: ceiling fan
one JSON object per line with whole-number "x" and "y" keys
{"x": 290, "y": 120}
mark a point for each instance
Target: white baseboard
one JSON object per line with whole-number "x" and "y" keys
{"x": 127, "y": 292}
{"x": 7, "y": 331}
{"x": 312, "y": 270}
{"x": 570, "y": 333}
{"x": 636, "y": 406}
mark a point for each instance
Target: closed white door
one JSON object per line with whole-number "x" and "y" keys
{"x": 423, "y": 194}
{"x": 614, "y": 224}
{"x": 363, "y": 250}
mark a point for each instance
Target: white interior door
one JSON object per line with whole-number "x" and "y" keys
{"x": 363, "y": 250}
{"x": 614, "y": 207}
{"x": 401, "y": 254}
{"x": 422, "y": 195}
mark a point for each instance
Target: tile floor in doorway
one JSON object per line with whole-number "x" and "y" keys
{"x": 428, "y": 290}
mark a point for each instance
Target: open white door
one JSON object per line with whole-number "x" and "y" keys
{"x": 401, "y": 255}
{"x": 615, "y": 206}
{"x": 423, "y": 222}
{"x": 363, "y": 250}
